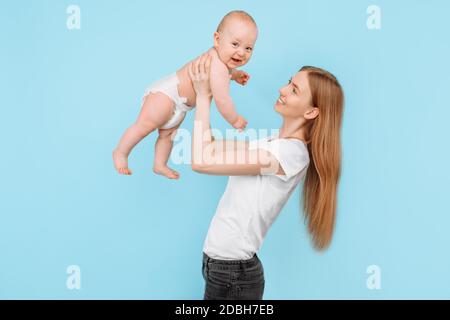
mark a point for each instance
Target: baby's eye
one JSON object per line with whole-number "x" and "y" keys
{"x": 249, "y": 49}
{"x": 235, "y": 44}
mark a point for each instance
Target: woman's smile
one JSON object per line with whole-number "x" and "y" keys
{"x": 281, "y": 101}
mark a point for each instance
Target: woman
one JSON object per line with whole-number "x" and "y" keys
{"x": 264, "y": 173}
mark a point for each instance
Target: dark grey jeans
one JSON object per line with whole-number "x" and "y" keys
{"x": 233, "y": 279}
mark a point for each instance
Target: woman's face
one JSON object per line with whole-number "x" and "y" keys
{"x": 295, "y": 97}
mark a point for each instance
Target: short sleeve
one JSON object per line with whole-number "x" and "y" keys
{"x": 291, "y": 154}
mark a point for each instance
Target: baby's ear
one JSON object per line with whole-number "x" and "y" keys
{"x": 216, "y": 39}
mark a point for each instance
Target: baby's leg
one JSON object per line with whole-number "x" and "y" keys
{"x": 156, "y": 110}
{"x": 162, "y": 152}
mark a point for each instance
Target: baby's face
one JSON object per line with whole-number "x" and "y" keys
{"x": 235, "y": 42}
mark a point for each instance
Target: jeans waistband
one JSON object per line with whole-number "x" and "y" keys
{"x": 231, "y": 264}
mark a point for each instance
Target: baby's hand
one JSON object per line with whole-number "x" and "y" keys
{"x": 241, "y": 77}
{"x": 240, "y": 123}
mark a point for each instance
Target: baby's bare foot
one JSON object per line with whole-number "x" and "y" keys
{"x": 121, "y": 162}
{"x": 166, "y": 171}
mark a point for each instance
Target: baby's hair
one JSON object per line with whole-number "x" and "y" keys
{"x": 235, "y": 13}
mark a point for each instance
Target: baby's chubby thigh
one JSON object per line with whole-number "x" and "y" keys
{"x": 156, "y": 110}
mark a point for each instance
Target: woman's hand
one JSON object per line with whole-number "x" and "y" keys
{"x": 199, "y": 73}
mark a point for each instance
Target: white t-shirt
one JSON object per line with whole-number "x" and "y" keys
{"x": 251, "y": 204}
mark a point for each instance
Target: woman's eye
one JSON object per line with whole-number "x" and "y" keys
{"x": 293, "y": 88}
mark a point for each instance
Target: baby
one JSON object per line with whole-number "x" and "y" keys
{"x": 166, "y": 101}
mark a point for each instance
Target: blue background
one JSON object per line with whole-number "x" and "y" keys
{"x": 68, "y": 95}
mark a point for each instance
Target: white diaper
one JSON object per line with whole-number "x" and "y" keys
{"x": 169, "y": 86}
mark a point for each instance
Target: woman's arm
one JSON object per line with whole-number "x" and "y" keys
{"x": 221, "y": 157}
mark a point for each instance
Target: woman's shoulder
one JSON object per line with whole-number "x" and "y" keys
{"x": 290, "y": 148}
{"x": 290, "y": 145}
{"x": 282, "y": 147}
{"x": 288, "y": 142}
{"x": 291, "y": 154}
{"x": 295, "y": 142}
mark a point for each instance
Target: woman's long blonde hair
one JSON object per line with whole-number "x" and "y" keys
{"x": 324, "y": 146}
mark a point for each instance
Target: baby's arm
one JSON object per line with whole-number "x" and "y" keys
{"x": 240, "y": 76}
{"x": 220, "y": 88}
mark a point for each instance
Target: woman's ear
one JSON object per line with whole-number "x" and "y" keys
{"x": 311, "y": 114}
